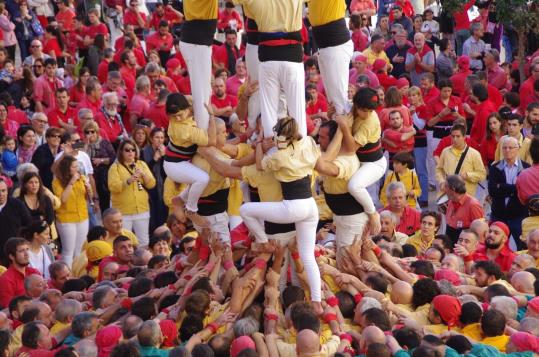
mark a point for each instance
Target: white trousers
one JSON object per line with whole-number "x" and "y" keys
{"x": 218, "y": 224}
{"x": 234, "y": 221}
{"x": 302, "y": 212}
{"x": 198, "y": 61}
{"x": 432, "y": 144}
{"x": 334, "y": 65}
{"x": 252, "y": 63}
{"x": 138, "y": 224}
{"x": 347, "y": 228}
{"x": 367, "y": 174}
{"x": 72, "y": 236}
{"x": 290, "y": 77}
{"x": 186, "y": 172}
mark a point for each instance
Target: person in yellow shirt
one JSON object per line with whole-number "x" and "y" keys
{"x": 493, "y": 327}
{"x": 128, "y": 180}
{"x": 292, "y": 164}
{"x": 363, "y": 139}
{"x": 423, "y": 238}
{"x": 332, "y": 36}
{"x": 185, "y": 138}
{"x": 472, "y": 169}
{"x": 196, "y": 40}
{"x": 348, "y": 215}
{"x": 280, "y": 52}
{"x": 403, "y": 164}
{"x": 376, "y": 50}
{"x": 64, "y": 313}
{"x": 72, "y": 216}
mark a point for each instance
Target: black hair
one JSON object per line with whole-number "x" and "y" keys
{"x": 495, "y": 290}
{"x": 471, "y": 313}
{"x": 202, "y": 350}
{"x": 377, "y": 350}
{"x": 76, "y": 284}
{"x": 459, "y": 343}
{"x": 407, "y": 337}
{"x": 5, "y": 339}
{"x": 446, "y": 241}
{"x": 30, "y": 334}
{"x": 14, "y": 302}
{"x": 347, "y": 304}
{"x": 87, "y": 279}
{"x": 424, "y": 291}
{"x": 203, "y": 284}
{"x": 139, "y": 286}
{"x": 404, "y": 158}
{"x": 303, "y": 317}
{"x": 490, "y": 268}
{"x": 493, "y": 323}
{"x": 534, "y": 150}
{"x": 96, "y": 233}
{"x": 377, "y": 317}
{"x": 156, "y": 259}
{"x": 444, "y": 44}
{"x": 144, "y": 308}
{"x": 409, "y": 250}
{"x": 423, "y": 267}
{"x": 292, "y": 294}
{"x": 377, "y": 282}
{"x": 164, "y": 279}
{"x": 445, "y": 83}
{"x": 167, "y": 301}
{"x": 366, "y": 98}
{"x": 480, "y": 92}
{"x": 191, "y": 324}
{"x": 125, "y": 349}
{"x": 423, "y": 351}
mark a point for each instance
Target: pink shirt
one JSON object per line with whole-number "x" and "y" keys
{"x": 497, "y": 77}
{"x": 233, "y": 85}
{"x": 44, "y": 91}
{"x": 373, "y": 80}
{"x": 139, "y": 105}
{"x": 528, "y": 183}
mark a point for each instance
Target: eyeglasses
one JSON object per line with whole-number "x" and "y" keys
{"x": 89, "y": 131}
{"x": 41, "y": 121}
{"x": 129, "y": 150}
{"x": 509, "y": 147}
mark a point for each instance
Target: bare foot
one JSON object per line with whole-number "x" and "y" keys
{"x": 374, "y": 223}
{"x": 197, "y": 219}
{"x": 178, "y": 210}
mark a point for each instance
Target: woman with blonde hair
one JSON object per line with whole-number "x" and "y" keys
{"x": 72, "y": 216}
{"x": 129, "y": 179}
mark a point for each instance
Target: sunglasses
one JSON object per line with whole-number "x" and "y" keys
{"x": 89, "y": 131}
{"x": 57, "y": 136}
{"x": 129, "y": 150}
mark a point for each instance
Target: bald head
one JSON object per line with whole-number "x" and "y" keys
{"x": 522, "y": 262}
{"x": 523, "y": 281}
{"x": 401, "y": 293}
{"x": 480, "y": 227}
{"x": 307, "y": 343}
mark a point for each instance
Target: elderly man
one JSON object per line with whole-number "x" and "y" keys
{"x": 397, "y": 53}
{"x": 466, "y": 245}
{"x": 64, "y": 313}
{"x": 495, "y": 248}
{"x": 153, "y": 72}
{"x": 34, "y": 285}
{"x": 150, "y": 337}
{"x": 389, "y": 222}
{"x": 462, "y": 208}
{"x": 109, "y": 120}
{"x": 84, "y": 324}
{"x": 113, "y": 223}
{"x": 523, "y": 282}
{"x": 503, "y": 174}
{"x": 37, "y": 340}
{"x": 409, "y": 218}
{"x": 36, "y": 49}
{"x": 495, "y": 74}
{"x": 140, "y": 103}
{"x": 521, "y": 263}
{"x": 462, "y": 160}
{"x": 39, "y": 124}
{"x": 532, "y": 241}
{"x": 514, "y": 124}
{"x": 474, "y": 47}
{"x": 419, "y": 59}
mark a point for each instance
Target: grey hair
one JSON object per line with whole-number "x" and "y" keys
{"x": 99, "y": 294}
{"x": 245, "y": 327}
{"x": 474, "y": 27}
{"x": 531, "y": 234}
{"x": 109, "y": 96}
{"x": 39, "y": 115}
{"x": 114, "y": 75}
{"x": 530, "y": 324}
{"x": 85, "y": 111}
{"x": 23, "y": 169}
{"x": 469, "y": 298}
{"x": 506, "y": 305}
{"x": 86, "y": 348}
{"x": 110, "y": 211}
{"x": 447, "y": 288}
{"x": 67, "y": 308}
{"x": 395, "y": 186}
{"x": 142, "y": 82}
{"x": 82, "y": 322}
{"x": 149, "y": 334}
{"x": 152, "y": 67}
{"x": 460, "y": 262}
{"x": 108, "y": 52}
{"x": 393, "y": 216}
{"x": 369, "y": 303}
{"x": 130, "y": 326}
{"x": 29, "y": 279}
{"x": 180, "y": 351}
{"x": 508, "y": 138}
{"x": 363, "y": 78}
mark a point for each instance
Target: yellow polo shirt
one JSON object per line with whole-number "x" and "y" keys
{"x": 322, "y": 12}
{"x": 275, "y": 15}
{"x": 75, "y": 209}
{"x": 200, "y": 9}
{"x": 367, "y": 131}
{"x": 185, "y": 133}
{"x": 410, "y": 181}
{"x": 499, "y": 342}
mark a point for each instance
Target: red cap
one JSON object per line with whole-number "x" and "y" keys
{"x": 106, "y": 339}
{"x": 359, "y": 57}
{"x": 173, "y": 63}
{"x": 449, "y": 308}
{"x": 170, "y": 333}
{"x": 402, "y": 82}
{"x": 463, "y": 62}
{"x": 447, "y": 274}
{"x": 378, "y": 65}
{"x": 241, "y": 343}
{"x": 503, "y": 227}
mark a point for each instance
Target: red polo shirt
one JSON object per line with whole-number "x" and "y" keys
{"x": 17, "y": 115}
{"x": 226, "y": 101}
{"x": 170, "y": 16}
{"x": 65, "y": 19}
{"x": 410, "y": 221}
{"x": 430, "y": 94}
{"x": 321, "y": 106}
{"x": 458, "y": 80}
{"x": 479, "y": 127}
{"x": 461, "y": 214}
{"x": 504, "y": 259}
{"x": 87, "y": 103}
{"x": 93, "y": 30}
{"x": 109, "y": 129}
{"x": 44, "y": 90}
{"x": 69, "y": 117}
{"x": 395, "y": 136}
{"x": 220, "y": 56}
{"x": 12, "y": 283}
{"x": 436, "y": 106}
{"x": 130, "y": 18}
{"x": 158, "y": 115}
{"x": 159, "y": 43}
{"x": 103, "y": 70}
{"x": 128, "y": 76}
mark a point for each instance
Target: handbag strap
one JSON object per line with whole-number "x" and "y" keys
{"x": 461, "y": 161}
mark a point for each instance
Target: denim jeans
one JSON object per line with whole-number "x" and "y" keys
{"x": 420, "y": 155}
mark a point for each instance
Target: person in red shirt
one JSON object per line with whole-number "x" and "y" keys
{"x": 462, "y": 25}
{"x": 65, "y": 16}
{"x": 379, "y": 67}
{"x": 161, "y": 41}
{"x": 140, "y": 102}
{"x": 223, "y": 56}
{"x": 496, "y": 247}
{"x": 63, "y": 116}
{"x": 495, "y": 74}
{"x": 526, "y": 89}
{"x": 103, "y": 67}
{"x": 485, "y": 107}
{"x": 45, "y": 87}
{"x": 397, "y": 137}
{"x": 157, "y": 111}
{"x": 75, "y": 38}
{"x": 133, "y": 16}
{"x": 78, "y": 91}
{"x": 490, "y": 143}
{"x": 154, "y": 73}
{"x": 108, "y": 119}
{"x": 223, "y": 104}
{"x": 179, "y": 57}
{"x": 17, "y": 250}
{"x": 92, "y": 100}
{"x": 493, "y": 93}
{"x": 229, "y": 18}
{"x": 318, "y": 107}
{"x": 428, "y": 87}
{"x": 128, "y": 71}
{"x": 166, "y": 13}
{"x": 174, "y": 70}
{"x": 459, "y": 78}
{"x": 409, "y": 218}
{"x": 38, "y": 342}
{"x": 95, "y": 27}
{"x": 359, "y": 39}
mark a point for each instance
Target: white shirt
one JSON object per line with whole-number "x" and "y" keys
{"x": 41, "y": 262}
{"x": 85, "y": 164}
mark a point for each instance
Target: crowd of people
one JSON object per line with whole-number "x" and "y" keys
{"x": 267, "y": 178}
